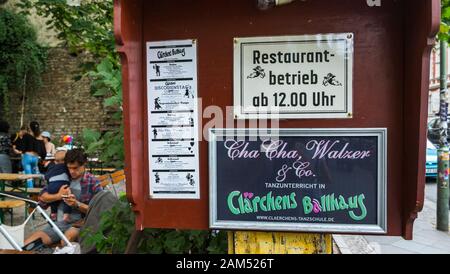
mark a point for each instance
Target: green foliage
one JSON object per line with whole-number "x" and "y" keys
{"x": 114, "y": 230}
{"x": 107, "y": 83}
{"x": 83, "y": 28}
{"x": 22, "y": 59}
{"x": 117, "y": 225}
{"x": 445, "y": 20}
{"x": 108, "y": 146}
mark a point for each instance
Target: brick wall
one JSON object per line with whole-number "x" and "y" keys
{"x": 62, "y": 105}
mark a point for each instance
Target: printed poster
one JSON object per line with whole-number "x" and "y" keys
{"x": 173, "y": 119}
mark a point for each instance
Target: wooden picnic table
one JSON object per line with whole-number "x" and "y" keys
{"x": 19, "y": 176}
{"x": 31, "y": 191}
{"x": 8, "y": 177}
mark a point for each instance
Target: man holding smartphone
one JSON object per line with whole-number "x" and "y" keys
{"x": 83, "y": 187}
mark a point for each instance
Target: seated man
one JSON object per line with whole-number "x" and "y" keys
{"x": 83, "y": 187}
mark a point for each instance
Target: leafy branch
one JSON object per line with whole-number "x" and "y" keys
{"x": 22, "y": 59}
{"x": 445, "y": 21}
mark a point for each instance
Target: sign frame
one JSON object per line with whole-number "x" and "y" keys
{"x": 273, "y": 112}
{"x": 379, "y": 228}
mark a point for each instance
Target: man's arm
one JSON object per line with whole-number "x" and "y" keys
{"x": 83, "y": 208}
{"x": 16, "y": 151}
{"x": 49, "y": 198}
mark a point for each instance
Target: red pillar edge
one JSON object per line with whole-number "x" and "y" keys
{"x": 128, "y": 35}
{"x": 422, "y": 20}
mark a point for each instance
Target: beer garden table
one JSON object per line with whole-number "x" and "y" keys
{"x": 17, "y": 177}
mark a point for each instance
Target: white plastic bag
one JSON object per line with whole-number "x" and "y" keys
{"x": 16, "y": 232}
{"x": 74, "y": 249}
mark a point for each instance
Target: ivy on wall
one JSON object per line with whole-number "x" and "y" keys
{"x": 22, "y": 59}
{"x": 445, "y": 20}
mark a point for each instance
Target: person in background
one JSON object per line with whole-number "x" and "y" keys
{"x": 17, "y": 148}
{"x": 17, "y": 141}
{"x": 49, "y": 148}
{"x": 5, "y": 148}
{"x": 33, "y": 151}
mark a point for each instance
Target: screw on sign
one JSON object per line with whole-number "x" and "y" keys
{"x": 374, "y": 3}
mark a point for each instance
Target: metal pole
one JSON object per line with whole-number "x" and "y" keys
{"x": 443, "y": 151}
{"x": 53, "y": 226}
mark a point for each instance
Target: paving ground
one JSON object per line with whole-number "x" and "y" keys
{"x": 426, "y": 239}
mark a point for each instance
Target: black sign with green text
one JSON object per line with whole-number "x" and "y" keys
{"x": 298, "y": 180}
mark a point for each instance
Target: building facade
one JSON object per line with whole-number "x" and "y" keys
{"x": 433, "y": 96}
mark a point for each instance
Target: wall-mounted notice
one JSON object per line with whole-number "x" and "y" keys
{"x": 293, "y": 77}
{"x": 173, "y": 119}
{"x": 312, "y": 180}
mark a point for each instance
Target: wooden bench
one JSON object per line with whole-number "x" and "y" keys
{"x": 31, "y": 193}
{"x": 109, "y": 180}
{"x": 8, "y": 206}
{"x": 104, "y": 179}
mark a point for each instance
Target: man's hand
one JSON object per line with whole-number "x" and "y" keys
{"x": 64, "y": 191}
{"x": 71, "y": 200}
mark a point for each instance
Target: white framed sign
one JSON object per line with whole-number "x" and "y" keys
{"x": 293, "y": 77}
{"x": 173, "y": 119}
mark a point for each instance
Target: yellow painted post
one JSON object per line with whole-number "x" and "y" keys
{"x": 247, "y": 242}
